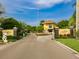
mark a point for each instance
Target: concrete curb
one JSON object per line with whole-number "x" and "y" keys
{"x": 66, "y": 47}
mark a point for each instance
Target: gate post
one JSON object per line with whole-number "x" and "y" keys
{"x": 15, "y": 32}
{"x": 72, "y": 31}
{"x": 56, "y": 31}
{"x": 53, "y": 34}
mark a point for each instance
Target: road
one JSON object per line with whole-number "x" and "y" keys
{"x": 33, "y": 47}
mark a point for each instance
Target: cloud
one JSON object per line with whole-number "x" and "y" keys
{"x": 34, "y": 4}
{"x": 49, "y": 3}
{"x": 27, "y": 9}
{"x": 26, "y": 6}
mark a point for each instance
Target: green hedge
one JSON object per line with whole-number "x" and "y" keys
{"x": 65, "y": 36}
{"x": 11, "y": 38}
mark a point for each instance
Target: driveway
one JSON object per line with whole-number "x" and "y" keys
{"x": 33, "y": 47}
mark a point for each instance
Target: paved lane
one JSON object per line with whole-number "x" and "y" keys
{"x": 36, "y": 48}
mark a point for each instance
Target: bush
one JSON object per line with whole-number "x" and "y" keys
{"x": 11, "y": 38}
{"x": 65, "y": 36}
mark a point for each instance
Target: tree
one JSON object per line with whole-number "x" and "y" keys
{"x": 9, "y": 23}
{"x": 22, "y": 25}
{"x": 33, "y": 28}
{"x": 39, "y": 28}
{"x": 29, "y": 28}
{"x": 63, "y": 24}
{"x": 72, "y": 20}
{"x": 41, "y": 22}
{"x": 1, "y": 19}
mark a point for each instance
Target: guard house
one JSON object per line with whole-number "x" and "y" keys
{"x": 49, "y": 26}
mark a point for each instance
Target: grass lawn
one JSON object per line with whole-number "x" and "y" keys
{"x": 72, "y": 43}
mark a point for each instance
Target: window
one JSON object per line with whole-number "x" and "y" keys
{"x": 50, "y": 26}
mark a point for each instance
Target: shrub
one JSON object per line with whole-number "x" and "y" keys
{"x": 11, "y": 38}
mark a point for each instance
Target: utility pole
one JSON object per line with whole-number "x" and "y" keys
{"x": 77, "y": 15}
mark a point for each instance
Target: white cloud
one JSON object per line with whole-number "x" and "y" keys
{"x": 34, "y": 4}
{"x": 49, "y": 3}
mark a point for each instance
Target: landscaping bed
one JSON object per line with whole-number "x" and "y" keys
{"x": 72, "y": 43}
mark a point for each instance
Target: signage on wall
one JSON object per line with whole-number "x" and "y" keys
{"x": 64, "y": 31}
{"x": 9, "y": 32}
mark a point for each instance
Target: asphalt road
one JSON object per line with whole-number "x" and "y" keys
{"x": 34, "y": 47}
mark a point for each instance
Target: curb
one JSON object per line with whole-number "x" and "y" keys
{"x": 66, "y": 47}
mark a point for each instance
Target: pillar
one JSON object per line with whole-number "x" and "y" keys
{"x": 77, "y": 15}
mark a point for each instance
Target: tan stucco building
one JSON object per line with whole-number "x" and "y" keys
{"x": 49, "y": 25}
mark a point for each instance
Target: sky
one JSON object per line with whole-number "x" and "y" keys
{"x": 33, "y": 11}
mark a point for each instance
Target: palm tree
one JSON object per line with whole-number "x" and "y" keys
{"x": 72, "y": 20}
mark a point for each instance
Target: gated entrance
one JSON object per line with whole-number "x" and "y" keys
{"x": 64, "y": 33}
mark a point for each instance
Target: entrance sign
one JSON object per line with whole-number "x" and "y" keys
{"x": 64, "y": 31}
{"x": 9, "y": 32}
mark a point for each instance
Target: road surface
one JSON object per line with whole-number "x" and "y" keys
{"x": 33, "y": 47}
